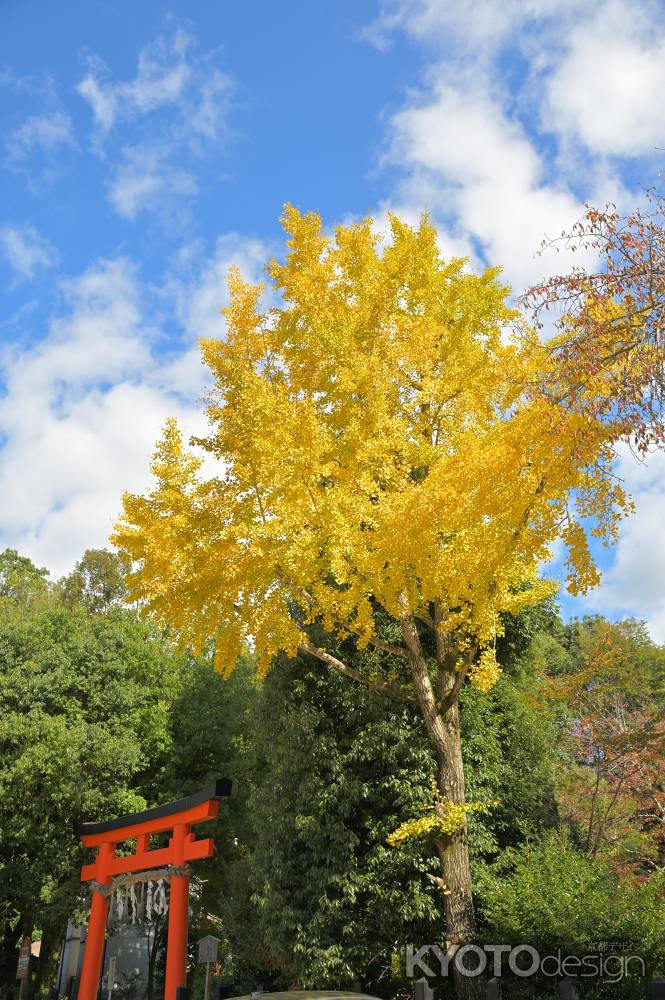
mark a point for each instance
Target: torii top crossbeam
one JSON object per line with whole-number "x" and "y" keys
{"x": 179, "y": 817}
{"x": 196, "y": 808}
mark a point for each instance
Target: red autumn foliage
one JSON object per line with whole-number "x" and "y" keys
{"x": 625, "y": 343}
{"x": 614, "y": 787}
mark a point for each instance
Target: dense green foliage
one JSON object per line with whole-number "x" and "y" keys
{"x": 333, "y": 774}
{"x": 335, "y": 771}
{"x": 100, "y": 714}
{"x": 556, "y": 899}
{"x": 317, "y": 896}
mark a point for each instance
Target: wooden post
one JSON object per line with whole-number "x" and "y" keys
{"x": 176, "y": 942}
{"x": 23, "y": 966}
{"x": 111, "y": 977}
{"x": 494, "y": 989}
{"x": 569, "y": 989}
{"x": 208, "y": 949}
{"x": 94, "y": 942}
{"x": 423, "y": 990}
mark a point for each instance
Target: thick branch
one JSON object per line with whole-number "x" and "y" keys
{"x": 439, "y": 637}
{"x": 400, "y": 694}
{"x": 421, "y": 677}
{"x": 453, "y": 694}
{"x": 423, "y": 617}
{"x": 387, "y": 647}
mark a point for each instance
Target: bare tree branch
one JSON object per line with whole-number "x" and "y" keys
{"x": 400, "y": 694}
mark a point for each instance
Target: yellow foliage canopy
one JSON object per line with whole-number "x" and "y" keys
{"x": 382, "y": 434}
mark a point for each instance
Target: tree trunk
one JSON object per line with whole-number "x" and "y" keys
{"x": 444, "y": 733}
{"x": 454, "y": 858}
{"x": 46, "y": 962}
{"x": 26, "y": 924}
{"x": 159, "y": 927}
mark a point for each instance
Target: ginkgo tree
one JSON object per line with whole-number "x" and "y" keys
{"x": 390, "y": 435}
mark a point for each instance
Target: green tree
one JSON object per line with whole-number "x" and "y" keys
{"x": 97, "y": 580}
{"x": 552, "y": 897}
{"x": 99, "y": 716}
{"x": 319, "y": 896}
{"x": 610, "y": 698}
{"x": 20, "y": 579}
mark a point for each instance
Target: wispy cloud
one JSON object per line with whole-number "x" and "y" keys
{"x": 45, "y": 132}
{"x": 37, "y": 128}
{"x": 145, "y": 180}
{"x": 25, "y": 251}
{"x": 477, "y": 28}
{"x": 168, "y": 117}
{"x": 208, "y": 113}
{"x": 161, "y": 78}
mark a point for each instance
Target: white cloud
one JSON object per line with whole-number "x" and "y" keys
{"x": 595, "y": 70}
{"x": 466, "y": 160}
{"x": 504, "y": 159}
{"x": 464, "y": 137}
{"x": 607, "y": 90}
{"x": 82, "y": 409}
{"x": 46, "y": 132}
{"x": 25, "y": 250}
{"x": 161, "y": 77}
{"x": 462, "y": 154}
{"x": 173, "y": 112}
{"x": 97, "y": 341}
{"x": 145, "y": 180}
{"x": 480, "y": 27}
{"x": 79, "y": 417}
{"x": 67, "y": 475}
{"x": 634, "y": 585}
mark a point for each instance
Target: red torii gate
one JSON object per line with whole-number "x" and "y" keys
{"x": 179, "y": 817}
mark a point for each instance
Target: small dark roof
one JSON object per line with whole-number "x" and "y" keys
{"x": 218, "y": 789}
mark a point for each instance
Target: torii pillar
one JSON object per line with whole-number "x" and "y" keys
{"x": 178, "y": 817}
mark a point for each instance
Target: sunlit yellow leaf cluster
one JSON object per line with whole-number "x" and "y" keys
{"x": 381, "y": 434}
{"x": 448, "y": 821}
{"x": 485, "y": 671}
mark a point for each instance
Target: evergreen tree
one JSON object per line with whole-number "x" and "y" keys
{"x": 318, "y": 897}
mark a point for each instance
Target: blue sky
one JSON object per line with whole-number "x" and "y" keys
{"x": 146, "y": 147}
